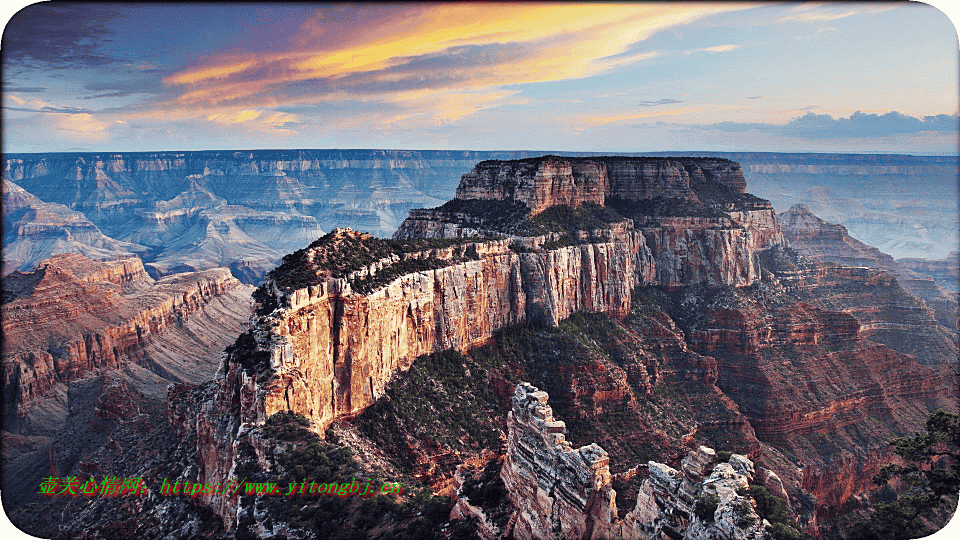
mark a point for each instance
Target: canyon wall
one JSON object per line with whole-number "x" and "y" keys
{"x": 562, "y": 492}
{"x": 74, "y": 316}
{"x": 334, "y": 350}
{"x": 552, "y": 180}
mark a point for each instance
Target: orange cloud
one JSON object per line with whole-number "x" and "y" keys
{"x": 442, "y": 49}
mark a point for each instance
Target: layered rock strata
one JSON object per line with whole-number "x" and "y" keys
{"x": 73, "y": 316}
{"x": 814, "y": 387}
{"x": 334, "y": 350}
{"x": 562, "y": 492}
{"x": 551, "y": 180}
{"x": 557, "y": 489}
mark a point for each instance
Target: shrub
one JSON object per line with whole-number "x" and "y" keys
{"x": 705, "y": 506}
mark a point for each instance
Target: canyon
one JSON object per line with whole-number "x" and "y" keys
{"x": 77, "y": 330}
{"x": 328, "y": 353}
{"x": 243, "y": 210}
{"x": 659, "y": 304}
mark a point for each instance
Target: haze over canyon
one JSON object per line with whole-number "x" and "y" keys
{"x": 536, "y": 344}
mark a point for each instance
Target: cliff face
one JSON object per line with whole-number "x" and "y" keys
{"x": 538, "y": 183}
{"x": 34, "y": 230}
{"x": 548, "y": 181}
{"x": 559, "y": 491}
{"x": 756, "y": 354}
{"x": 803, "y": 368}
{"x": 556, "y": 488}
{"x": 73, "y": 316}
{"x": 334, "y": 349}
{"x": 894, "y": 304}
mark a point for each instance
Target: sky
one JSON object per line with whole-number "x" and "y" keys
{"x": 628, "y": 77}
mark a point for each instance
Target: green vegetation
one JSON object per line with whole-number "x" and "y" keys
{"x": 643, "y": 210}
{"x": 774, "y": 510}
{"x": 510, "y": 217}
{"x": 705, "y": 506}
{"x": 340, "y": 253}
{"x": 713, "y": 193}
{"x": 488, "y": 491}
{"x": 244, "y": 351}
{"x": 446, "y": 399}
{"x": 931, "y": 483}
{"x": 781, "y": 259}
{"x": 419, "y": 515}
{"x": 369, "y": 283}
{"x": 569, "y": 220}
{"x": 743, "y": 510}
{"x": 514, "y": 218}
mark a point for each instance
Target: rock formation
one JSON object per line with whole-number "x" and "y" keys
{"x": 334, "y": 349}
{"x": 557, "y": 490}
{"x": 34, "y": 230}
{"x": 894, "y": 304}
{"x": 188, "y": 211}
{"x": 547, "y": 181}
{"x": 326, "y": 342}
{"x": 562, "y": 492}
{"x": 73, "y": 316}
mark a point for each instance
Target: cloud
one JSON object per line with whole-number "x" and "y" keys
{"x": 859, "y": 124}
{"x": 599, "y": 120}
{"x": 439, "y": 49}
{"x": 714, "y": 49}
{"x": 24, "y": 89}
{"x": 819, "y": 33}
{"x": 816, "y": 12}
{"x": 719, "y": 48}
{"x": 666, "y": 101}
{"x": 57, "y": 36}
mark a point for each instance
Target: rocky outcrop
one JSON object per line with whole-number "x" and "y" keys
{"x": 539, "y": 183}
{"x": 562, "y": 492}
{"x": 34, "y": 230}
{"x": 334, "y": 349}
{"x": 548, "y": 181}
{"x": 558, "y": 490}
{"x": 819, "y": 240}
{"x": 674, "y": 503}
{"x": 74, "y": 316}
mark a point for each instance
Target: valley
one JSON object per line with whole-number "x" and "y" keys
{"x": 684, "y": 332}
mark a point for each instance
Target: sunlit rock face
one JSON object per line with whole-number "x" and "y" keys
{"x": 335, "y": 349}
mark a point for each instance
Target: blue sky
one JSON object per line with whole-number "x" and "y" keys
{"x": 794, "y": 77}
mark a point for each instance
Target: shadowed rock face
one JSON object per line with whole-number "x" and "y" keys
{"x": 543, "y": 182}
{"x": 895, "y": 304}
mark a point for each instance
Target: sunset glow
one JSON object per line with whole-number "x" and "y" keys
{"x": 421, "y": 75}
